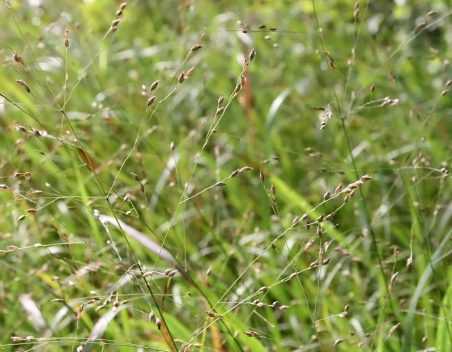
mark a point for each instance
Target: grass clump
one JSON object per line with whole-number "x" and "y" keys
{"x": 225, "y": 176}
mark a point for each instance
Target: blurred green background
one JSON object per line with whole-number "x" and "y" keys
{"x": 89, "y": 173}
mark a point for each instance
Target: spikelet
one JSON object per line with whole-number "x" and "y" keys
{"x": 325, "y": 116}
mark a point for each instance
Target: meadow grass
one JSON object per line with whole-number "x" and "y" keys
{"x": 194, "y": 175}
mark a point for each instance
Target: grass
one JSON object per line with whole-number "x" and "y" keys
{"x": 225, "y": 176}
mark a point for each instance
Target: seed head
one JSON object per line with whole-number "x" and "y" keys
{"x": 181, "y": 77}
{"x": 252, "y": 55}
{"x": 24, "y": 85}
{"x": 66, "y": 38}
{"x": 151, "y": 100}
{"x": 154, "y": 85}
{"x": 196, "y": 47}
{"x": 18, "y": 59}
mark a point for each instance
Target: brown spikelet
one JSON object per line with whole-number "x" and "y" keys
{"x": 252, "y": 55}
{"x": 331, "y": 62}
{"x": 325, "y": 115}
{"x": 154, "y": 85}
{"x": 181, "y": 77}
{"x": 189, "y": 72}
{"x": 66, "y": 38}
{"x": 151, "y": 100}
{"x": 18, "y": 59}
{"x": 24, "y": 85}
{"x": 196, "y": 47}
{"x": 356, "y": 11}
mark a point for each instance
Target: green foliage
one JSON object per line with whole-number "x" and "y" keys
{"x": 309, "y": 208}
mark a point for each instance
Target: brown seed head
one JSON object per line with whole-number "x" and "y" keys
{"x": 151, "y": 100}
{"x": 196, "y": 47}
{"x": 66, "y": 38}
{"x": 24, "y": 85}
{"x": 154, "y": 85}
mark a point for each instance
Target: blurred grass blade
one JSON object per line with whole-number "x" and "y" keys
{"x": 140, "y": 237}
{"x": 276, "y": 105}
{"x": 34, "y": 314}
{"x": 102, "y": 324}
{"x": 216, "y": 338}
